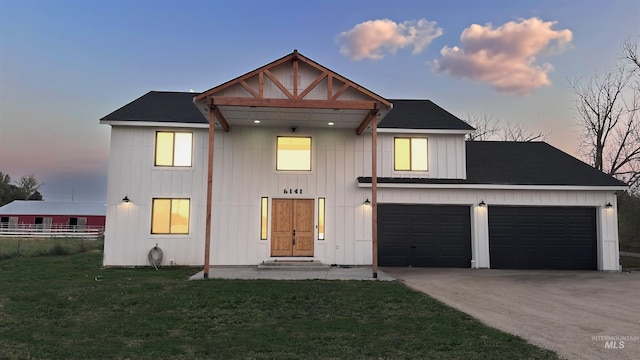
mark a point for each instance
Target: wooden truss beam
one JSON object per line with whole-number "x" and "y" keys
{"x": 278, "y": 83}
{"x": 297, "y": 103}
{"x": 294, "y": 59}
{"x": 366, "y": 121}
{"x": 221, "y": 119}
{"x": 311, "y": 86}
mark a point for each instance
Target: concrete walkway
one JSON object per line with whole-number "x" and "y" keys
{"x": 579, "y": 314}
{"x": 253, "y": 273}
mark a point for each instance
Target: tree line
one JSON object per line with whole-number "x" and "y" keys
{"x": 27, "y": 188}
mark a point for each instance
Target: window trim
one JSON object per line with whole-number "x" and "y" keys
{"x": 153, "y": 200}
{"x": 173, "y": 150}
{"x": 410, "y": 138}
{"x": 310, "y": 170}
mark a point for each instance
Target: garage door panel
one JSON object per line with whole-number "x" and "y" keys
{"x": 542, "y": 238}
{"x": 434, "y": 236}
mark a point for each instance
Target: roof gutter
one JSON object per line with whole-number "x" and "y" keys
{"x": 495, "y": 187}
{"x": 424, "y": 131}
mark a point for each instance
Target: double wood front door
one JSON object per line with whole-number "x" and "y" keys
{"x": 292, "y": 227}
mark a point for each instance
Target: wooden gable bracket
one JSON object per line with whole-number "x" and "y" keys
{"x": 213, "y": 109}
{"x": 371, "y": 116}
{"x": 297, "y": 93}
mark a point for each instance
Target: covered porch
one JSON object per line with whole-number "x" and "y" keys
{"x": 292, "y": 92}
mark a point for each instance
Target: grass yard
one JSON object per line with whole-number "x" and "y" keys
{"x": 12, "y": 247}
{"x": 68, "y": 307}
{"x": 630, "y": 263}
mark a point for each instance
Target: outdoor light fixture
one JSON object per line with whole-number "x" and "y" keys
{"x": 608, "y": 206}
{"x": 125, "y": 199}
{"x": 367, "y": 202}
{"x": 482, "y": 204}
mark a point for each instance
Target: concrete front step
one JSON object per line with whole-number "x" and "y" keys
{"x": 293, "y": 265}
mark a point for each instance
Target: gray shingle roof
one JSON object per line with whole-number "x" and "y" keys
{"x": 519, "y": 163}
{"x": 160, "y": 106}
{"x": 21, "y": 207}
{"x": 164, "y": 106}
{"x": 421, "y": 114}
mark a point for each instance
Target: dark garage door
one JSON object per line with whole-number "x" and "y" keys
{"x": 424, "y": 235}
{"x": 561, "y": 238}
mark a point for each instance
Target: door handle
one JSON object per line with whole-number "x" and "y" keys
{"x": 294, "y": 236}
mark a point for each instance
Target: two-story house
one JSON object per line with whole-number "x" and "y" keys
{"x": 300, "y": 162}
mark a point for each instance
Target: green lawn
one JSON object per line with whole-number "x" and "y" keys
{"x": 630, "y": 263}
{"x": 68, "y": 307}
{"x": 12, "y": 247}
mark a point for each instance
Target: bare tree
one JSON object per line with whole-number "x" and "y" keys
{"x": 29, "y": 185}
{"x": 486, "y": 127}
{"x": 630, "y": 54}
{"x": 489, "y": 128}
{"x": 517, "y": 132}
{"x": 606, "y": 114}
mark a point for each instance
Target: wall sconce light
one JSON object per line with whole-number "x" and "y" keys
{"x": 125, "y": 199}
{"x": 367, "y": 202}
{"x": 482, "y": 204}
{"x": 608, "y": 206}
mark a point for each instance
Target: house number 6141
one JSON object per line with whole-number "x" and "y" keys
{"x": 292, "y": 191}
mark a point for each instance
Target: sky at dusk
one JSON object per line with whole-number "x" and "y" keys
{"x": 64, "y": 64}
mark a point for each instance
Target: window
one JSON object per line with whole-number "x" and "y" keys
{"x": 170, "y": 216}
{"x": 320, "y": 218}
{"x": 264, "y": 218}
{"x": 293, "y": 153}
{"x": 173, "y": 148}
{"x": 410, "y": 154}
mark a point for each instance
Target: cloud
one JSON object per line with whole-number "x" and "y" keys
{"x": 372, "y": 38}
{"x": 505, "y": 57}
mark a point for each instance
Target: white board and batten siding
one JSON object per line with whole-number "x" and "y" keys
{"x": 244, "y": 172}
{"x": 128, "y": 238}
{"x": 446, "y": 156}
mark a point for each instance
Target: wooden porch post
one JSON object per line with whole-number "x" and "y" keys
{"x": 207, "y": 240}
{"x": 374, "y": 191}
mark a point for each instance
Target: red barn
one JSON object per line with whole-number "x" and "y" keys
{"x": 53, "y": 215}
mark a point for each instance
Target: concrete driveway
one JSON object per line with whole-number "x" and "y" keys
{"x": 578, "y": 314}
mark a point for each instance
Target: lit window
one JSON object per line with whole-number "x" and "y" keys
{"x": 264, "y": 218}
{"x": 321, "y": 219}
{"x": 170, "y": 216}
{"x": 173, "y": 148}
{"x": 410, "y": 154}
{"x": 293, "y": 153}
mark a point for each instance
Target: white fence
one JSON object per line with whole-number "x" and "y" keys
{"x": 53, "y": 230}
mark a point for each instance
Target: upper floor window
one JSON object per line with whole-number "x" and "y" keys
{"x": 173, "y": 148}
{"x": 170, "y": 216}
{"x": 293, "y": 153}
{"x": 410, "y": 154}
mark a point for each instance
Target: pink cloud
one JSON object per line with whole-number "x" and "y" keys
{"x": 372, "y": 38}
{"x": 505, "y": 57}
